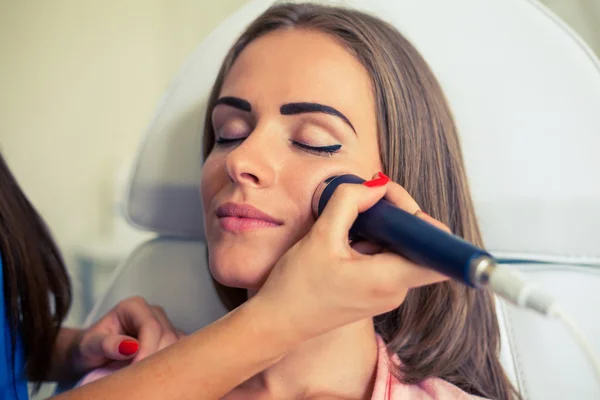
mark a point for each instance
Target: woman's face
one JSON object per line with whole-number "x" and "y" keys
{"x": 295, "y": 108}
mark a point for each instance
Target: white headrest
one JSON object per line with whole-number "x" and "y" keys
{"x": 525, "y": 92}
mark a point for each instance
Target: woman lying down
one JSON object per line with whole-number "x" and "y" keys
{"x": 306, "y": 92}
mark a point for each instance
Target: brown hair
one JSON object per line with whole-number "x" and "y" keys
{"x": 446, "y": 330}
{"x": 37, "y": 290}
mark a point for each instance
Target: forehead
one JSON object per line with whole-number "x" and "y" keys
{"x": 290, "y": 65}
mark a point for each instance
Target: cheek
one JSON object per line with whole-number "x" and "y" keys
{"x": 301, "y": 186}
{"x": 213, "y": 176}
{"x": 300, "y": 189}
{"x": 304, "y": 184}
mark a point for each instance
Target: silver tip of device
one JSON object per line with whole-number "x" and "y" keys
{"x": 480, "y": 271}
{"x": 317, "y": 195}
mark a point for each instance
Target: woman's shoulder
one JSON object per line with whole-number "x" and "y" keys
{"x": 428, "y": 389}
{"x": 389, "y": 387}
{"x": 436, "y": 388}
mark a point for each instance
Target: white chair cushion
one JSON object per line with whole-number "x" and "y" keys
{"x": 539, "y": 354}
{"x": 172, "y": 273}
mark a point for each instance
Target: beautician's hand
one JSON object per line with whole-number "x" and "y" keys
{"x": 324, "y": 282}
{"x": 132, "y": 330}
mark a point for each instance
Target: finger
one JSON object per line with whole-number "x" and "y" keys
{"x": 138, "y": 320}
{"x": 120, "y": 347}
{"x": 110, "y": 346}
{"x": 345, "y": 204}
{"x": 169, "y": 333}
{"x": 432, "y": 221}
{"x": 398, "y": 196}
{"x": 366, "y": 248}
{"x": 92, "y": 346}
{"x": 391, "y": 269}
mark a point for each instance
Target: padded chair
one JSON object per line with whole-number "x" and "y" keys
{"x": 525, "y": 91}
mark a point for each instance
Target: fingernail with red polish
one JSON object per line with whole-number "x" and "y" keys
{"x": 382, "y": 175}
{"x": 382, "y": 180}
{"x": 128, "y": 347}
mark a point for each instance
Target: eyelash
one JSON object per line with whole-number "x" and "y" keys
{"x": 318, "y": 150}
{"x": 224, "y": 142}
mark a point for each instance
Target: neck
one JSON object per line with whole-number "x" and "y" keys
{"x": 340, "y": 363}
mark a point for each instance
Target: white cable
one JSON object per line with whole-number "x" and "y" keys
{"x": 579, "y": 338}
{"x": 514, "y": 287}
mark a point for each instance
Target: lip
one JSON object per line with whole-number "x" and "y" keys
{"x": 243, "y": 217}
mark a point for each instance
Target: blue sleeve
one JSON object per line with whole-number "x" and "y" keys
{"x": 13, "y": 383}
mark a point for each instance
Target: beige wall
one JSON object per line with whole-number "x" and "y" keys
{"x": 582, "y": 15}
{"x": 78, "y": 83}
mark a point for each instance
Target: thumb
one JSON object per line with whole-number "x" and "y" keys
{"x": 113, "y": 347}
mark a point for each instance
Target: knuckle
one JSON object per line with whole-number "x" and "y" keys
{"x": 389, "y": 295}
{"x": 170, "y": 337}
{"x": 106, "y": 346}
{"x": 345, "y": 191}
{"x": 150, "y": 325}
{"x": 388, "y": 283}
{"x": 82, "y": 341}
{"x": 154, "y": 325}
{"x": 135, "y": 301}
{"x": 159, "y": 310}
{"x": 319, "y": 231}
{"x": 383, "y": 289}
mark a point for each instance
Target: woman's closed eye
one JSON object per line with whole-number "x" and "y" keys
{"x": 231, "y": 132}
{"x": 315, "y": 139}
{"x": 318, "y": 150}
{"x": 235, "y": 131}
{"x": 225, "y": 141}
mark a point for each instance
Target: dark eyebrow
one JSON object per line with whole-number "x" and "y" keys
{"x": 299, "y": 108}
{"x": 235, "y": 102}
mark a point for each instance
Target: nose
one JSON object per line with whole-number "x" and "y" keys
{"x": 251, "y": 163}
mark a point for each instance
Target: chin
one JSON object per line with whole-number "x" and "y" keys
{"x": 240, "y": 272}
